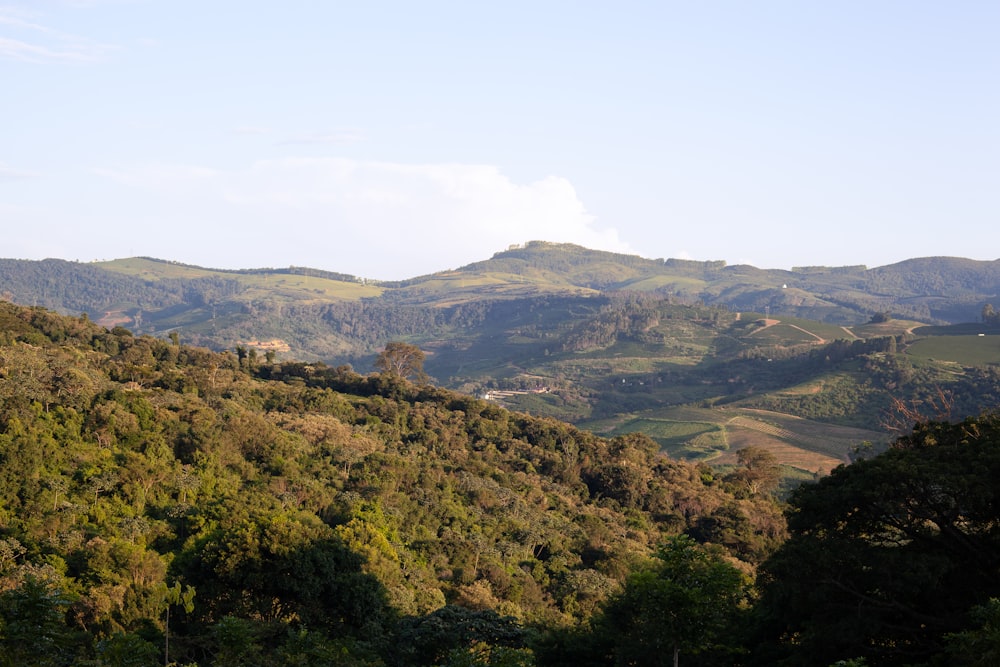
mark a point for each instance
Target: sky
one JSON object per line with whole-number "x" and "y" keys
{"x": 391, "y": 139}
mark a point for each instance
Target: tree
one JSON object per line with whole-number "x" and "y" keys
{"x": 990, "y": 316}
{"x": 888, "y": 555}
{"x": 759, "y": 473}
{"x": 126, "y": 650}
{"x": 173, "y": 595}
{"x": 681, "y": 603}
{"x": 459, "y": 634}
{"x": 403, "y": 360}
{"x": 32, "y": 625}
{"x": 279, "y": 568}
{"x": 980, "y": 645}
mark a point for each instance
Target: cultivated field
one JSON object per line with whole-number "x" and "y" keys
{"x": 715, "y": 436}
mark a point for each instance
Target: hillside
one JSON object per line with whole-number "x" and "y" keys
{"x": 150, "y": 296}
{"x": 166, "y": 504}
{"x": 308, "y": 508}
{"x": 788, "y": 360}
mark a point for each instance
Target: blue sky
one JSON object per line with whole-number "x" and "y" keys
{"x": 393, "y": 139}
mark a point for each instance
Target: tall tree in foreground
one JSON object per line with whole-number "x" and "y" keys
{"x": 683, "y": 603}
{"x": 888, "y": 556}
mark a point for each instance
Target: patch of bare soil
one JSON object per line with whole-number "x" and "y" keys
{"x": 114, "y": 318}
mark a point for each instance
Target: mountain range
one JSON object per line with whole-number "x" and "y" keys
{"x": 811, "y": 363}
{"x": 154, "y": 296}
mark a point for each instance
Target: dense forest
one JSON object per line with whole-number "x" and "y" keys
{"x": 167, "y": 504}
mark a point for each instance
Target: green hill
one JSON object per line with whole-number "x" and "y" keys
{"x": 929, "y": 290}
{"x": 590, "y": 336}
{"x": 154, "y": 494}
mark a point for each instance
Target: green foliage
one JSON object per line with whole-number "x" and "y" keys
{"x": 684, "y": 603}
{"x": 758, "y": 472}
{"x": 127, "y": 650}
{"x": 182, "y": 503}
{"x": 236, "y": 642}
{"x": 32, "y": 629}
{"x": 326, "y": 517}
{"x": 282, "y": 568}
{"x": 887, "y": 556}
{"x": 979, "y": 645}
{"x": 454, "y": 635}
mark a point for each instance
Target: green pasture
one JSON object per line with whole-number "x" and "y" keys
{"x": 258, "y": 285}
{"x": 824, "y": 330}
{"x": 149, "y": 269}
{"x": 549, "y": 405}
{"x": 653, "y": 283}
{"x": 780, "y": 334}
{"x": 968, "y": 350}
{"x": 624, "y": 355}
{"x": 682, "y": 439}
{"x": 296, "y": 287}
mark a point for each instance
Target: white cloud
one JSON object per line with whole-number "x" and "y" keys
{"x": 374, "y": 219}
{"x": 15, "y": 49}
{"x": 8, "y": 173}
{"x": 29, "y": 41}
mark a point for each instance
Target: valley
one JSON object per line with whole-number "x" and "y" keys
{"x": 621, "y": 343}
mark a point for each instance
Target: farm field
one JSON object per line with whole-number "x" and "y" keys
{"x": 968, "y": 350}
{"x": 715, "y": 435}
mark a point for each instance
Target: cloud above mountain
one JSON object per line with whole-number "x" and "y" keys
{"x": 419, "y": 218}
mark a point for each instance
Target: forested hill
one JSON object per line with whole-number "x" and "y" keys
{"x": 156, "y": 497}
{"x": 166, "y": 504}
{"x": 701, "y": 356}
{"x": 327, "y": 315}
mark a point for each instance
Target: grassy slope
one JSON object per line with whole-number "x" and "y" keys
{"x": 288, "y": 286}
{"x": 966, "y": 350}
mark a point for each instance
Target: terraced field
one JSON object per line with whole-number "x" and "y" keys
{"x": 716, "y": 435}
{"x": 808, "y": 446}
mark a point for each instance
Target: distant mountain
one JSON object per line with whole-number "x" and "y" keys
{"x": 933, "y": 290}
{"x": 936, "y": 289}
{"x": 701, "y": 355}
